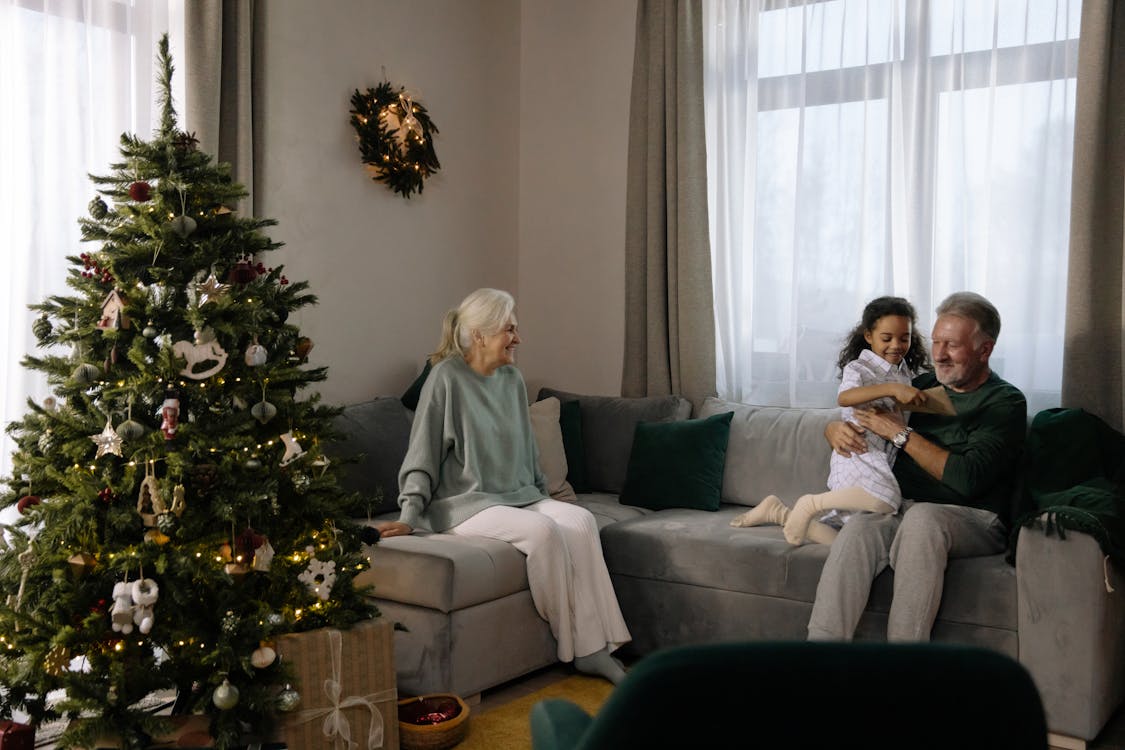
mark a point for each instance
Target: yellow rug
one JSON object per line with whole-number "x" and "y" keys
{"x": 508, "y": 727}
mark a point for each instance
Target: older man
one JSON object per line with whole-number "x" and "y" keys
{"x": 956, "y": 473}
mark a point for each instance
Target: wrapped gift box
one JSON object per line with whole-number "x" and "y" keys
{"x": 16, "y": 736}
{"x": 346, "y": 679}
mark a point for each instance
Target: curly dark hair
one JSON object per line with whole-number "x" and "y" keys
{"x": 916, "y": 357}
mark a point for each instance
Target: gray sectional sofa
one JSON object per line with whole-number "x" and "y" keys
{"x": 686, "y": 576}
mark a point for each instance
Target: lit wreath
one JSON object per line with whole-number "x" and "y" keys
{"x": 395, "y": 137}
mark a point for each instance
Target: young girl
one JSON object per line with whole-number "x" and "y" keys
{"x": 881, "y": 355}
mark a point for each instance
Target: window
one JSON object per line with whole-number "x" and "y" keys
{"x": 866, "y": 147}
{"x": 74, "y": 75}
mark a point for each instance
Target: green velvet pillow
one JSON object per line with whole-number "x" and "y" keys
{"x": 678, "y": 464}
{"x": 570, "y": 420}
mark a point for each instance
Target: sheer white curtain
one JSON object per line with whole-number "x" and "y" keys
{"x": 866, "y": 147}
{"x": 74, "y": 75}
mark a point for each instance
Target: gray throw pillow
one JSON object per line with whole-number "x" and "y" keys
{"x": 608, "y": 424}
{"x": 377, "y": 433}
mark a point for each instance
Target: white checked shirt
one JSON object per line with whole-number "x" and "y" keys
{"x": 870, "y": 470}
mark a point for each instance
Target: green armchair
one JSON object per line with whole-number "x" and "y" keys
{"x": 808, "y": 695}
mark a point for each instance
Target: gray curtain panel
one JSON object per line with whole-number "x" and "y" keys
{"x": 219, "y": 51}
{"x": 1094, "y": 355}
{"x": 669, "y": 312}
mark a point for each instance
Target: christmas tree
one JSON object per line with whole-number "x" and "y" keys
{"x": 176, "y": 509}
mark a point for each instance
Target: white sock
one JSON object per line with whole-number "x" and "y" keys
{"x": 602, "y": 664}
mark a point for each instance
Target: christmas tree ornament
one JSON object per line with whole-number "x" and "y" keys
{"x": 140, "y": 191}
{"x": 144, "y": 593}
{"x": 167, "y": 524}
{"x": 263, "y": 411}
{"x": 256, "y": 354}
{"x": 225, "y": 696}
{"x": 248, "y": 541}
{"x": 242, "y": 272}
{"x": 178, "y": 502}
{"x": 169, "y": 412}
{"x": 301, "y": 482}
{"x": 56, "y": 660}
{"x": 210, "y": 290}
{"x": 197, "y": 354}
{"x": 85, "y": 374}
{"x": 236, "y": 570}
{"x": 97, "y": 207}
{"x": 293, "y": 449}
{"x": 319, "y": 576}
{"x": 182, "y": 226}
{"x": 226, "y": 553}
{"x": 288, "y": 699}
{"x": 81, "y": 563}
{"x": 107, "y": 496}
{"x": 263, "y": 656}
{"x": 46, "y": 441}
{"x": 230, "y": 622}
{"x": 150, "y": 501}
{"x": 185, "y": 142}
{"x": 253, "y": 464}
{"x": 113, "y": 312}
{"x": 156, "y": 536}
{"x": 27, "y": 501}
{"x": 108, "y": 441}
{"x": 149, "y": 331}
{"x": 263, "y": 557}
{"x": 204, "y": 476}
{"x": 321, "y": 462}
{"x": 42, "y": 328}
{"x": 121, "y": 615}
{"x": 131, "y": 430}
{"x": 302, "y": 348}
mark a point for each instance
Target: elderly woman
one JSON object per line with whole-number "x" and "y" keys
{"x": 472, "y": 470}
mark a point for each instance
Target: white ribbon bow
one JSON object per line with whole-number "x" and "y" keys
{"x": 336, "y": 726}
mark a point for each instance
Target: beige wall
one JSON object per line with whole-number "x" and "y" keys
{"x": 532, "y": 102}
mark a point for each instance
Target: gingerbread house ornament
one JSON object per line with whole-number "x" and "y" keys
{"x": 113, "y": 312}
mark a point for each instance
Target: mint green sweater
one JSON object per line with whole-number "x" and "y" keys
{"x": 471, "y": 447}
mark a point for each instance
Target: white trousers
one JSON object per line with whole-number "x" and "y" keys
{"x": 565, "y": 570}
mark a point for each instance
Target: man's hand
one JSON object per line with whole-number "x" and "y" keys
{"x": 392, "y": 528}
{"x": 885, "y": 424}
{"x": 845, "y": 438}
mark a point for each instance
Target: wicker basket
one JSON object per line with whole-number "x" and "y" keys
{"x": 432, "y": 722}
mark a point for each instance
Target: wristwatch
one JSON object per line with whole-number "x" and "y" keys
{"x": 899, "y": 440}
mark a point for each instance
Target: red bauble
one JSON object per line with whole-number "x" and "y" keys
{"x": 140, "y": 191}
{"x": 26, "y": 502}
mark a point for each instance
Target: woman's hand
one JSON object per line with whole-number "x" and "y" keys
{"x": 845, "y": 438}
{"x": 885, "y": 424}
{"x": 392, "y": 528}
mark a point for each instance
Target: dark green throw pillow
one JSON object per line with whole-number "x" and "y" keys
{"x": 678, "y": 464}
{"x": 410, "y": 398}
{"x": 570, "y": 421}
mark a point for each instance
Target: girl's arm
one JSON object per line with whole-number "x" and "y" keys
{"x": 901, "y": 392}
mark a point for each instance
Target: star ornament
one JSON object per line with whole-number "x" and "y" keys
{"x": 108, "y": 441}
{"x": 210, "y": 290}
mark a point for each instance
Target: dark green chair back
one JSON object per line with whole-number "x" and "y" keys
{"x": 796, "y": 695}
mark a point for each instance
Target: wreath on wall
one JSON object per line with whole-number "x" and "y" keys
{"x": 395, "y": 135}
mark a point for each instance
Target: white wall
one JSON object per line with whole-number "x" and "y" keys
{"x": 575, "y": 77}
{"x": 532, "y": 102}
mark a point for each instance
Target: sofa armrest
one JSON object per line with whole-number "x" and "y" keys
{"x": 1071, "y": 628}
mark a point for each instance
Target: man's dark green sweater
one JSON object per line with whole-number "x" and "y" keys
{"x": 984, "y": 441}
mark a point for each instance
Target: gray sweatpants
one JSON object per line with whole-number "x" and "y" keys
{"x": 917, "y": 544}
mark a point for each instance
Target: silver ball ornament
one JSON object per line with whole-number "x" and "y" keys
{"x": 288, "y": 699}
{"x": 225, "y": 696}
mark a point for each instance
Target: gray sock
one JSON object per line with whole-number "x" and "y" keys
{"x": 602, "y": 664}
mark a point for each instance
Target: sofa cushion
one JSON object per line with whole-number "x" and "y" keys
{"x": 377, "y": 433}
{"x": 410, "y": 397}
{"x": 444, "y": 571}
{"x": 549, "y": 440}
{"x": 773, "y": 451}
{"x": 608, "y": 423}
{"x": 677, "y": 464}
{"x": 608, "y": 509}
{"x": 701, "y": 549}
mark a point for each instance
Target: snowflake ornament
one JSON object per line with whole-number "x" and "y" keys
{"x": 319, "y": 576}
